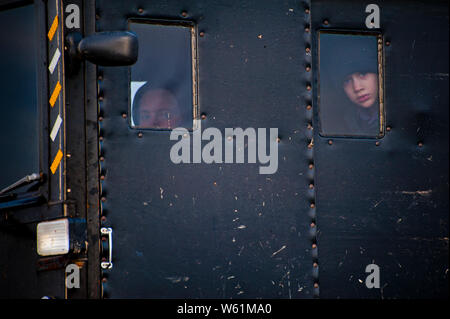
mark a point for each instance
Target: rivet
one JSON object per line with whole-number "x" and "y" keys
{"x": 102, "y": 177}
{"x": 140, "y": 10}
{"x": 100, "y": 118}
{"x": 103, "y": 218}
{"x": 202, "y": 34}
{"x": 316, "y": 285}
{"x": 308, "y": 87}
{"x": 314, "y": 246}
{"x": 104, "y": 279}
{"x": 312, "y": 205}
{"x": 124, "y": 115}
{"x": 311, "y": 186}
{"x": 184, "y": 13}
{"x": 326, "y": 22}
{"x": 309, "y": 126}
{"x": 307, "y": 10}
{"x": 313, "y": 225}
{"x": 100, "y": 78}
{"x": 69, "y": 190}
{"x": 100, "y": 138}
{"x": 388, "y": 128}
{"x": 311, "y": 166}
{"x": 420, "y": 144}
{"x": 102, "y": 158}
{"x": 307, "y": 29}
{"x": 140, "y": 134}
{"x": 308, "y": 68}
{"x": 315, "y": 265}
{"x": 103, "y": 199}
{"x": 278, "y": 140}
{"x": 68, "y": 155}
{"x": 203, "y": 116}
{"x": 388, "y": 43}
{"x": 330, "y": 142}
{"x": 100, "y": 98}
{"x": 308, "y": 49}
{"x": 377, "y": 143}
{"x": 260, "y": 36}
{"x": 308, "y": 107}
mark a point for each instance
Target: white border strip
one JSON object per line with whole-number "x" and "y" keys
{"x": 55, "y": 128}
{"x": 54, "y": 61}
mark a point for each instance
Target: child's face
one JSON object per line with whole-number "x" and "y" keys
{"x": 362, "y": 89}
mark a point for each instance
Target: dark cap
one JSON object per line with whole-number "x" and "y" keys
{"x": 344, "y": 54}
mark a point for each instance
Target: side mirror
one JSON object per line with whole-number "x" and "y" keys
{"x": 110, "y": 48}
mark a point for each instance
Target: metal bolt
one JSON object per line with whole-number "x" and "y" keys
{"x": 308, "y": 87}
{"x": 102, "y": 158}
{"x": 184, "y": 13}
{"x": 308, "y": 49}
{"x": 315, "y": 265}
{"x": 100, "y": 98}
{"x": 306, "y": 10}
{"x": 103, "y": 199}
{"x": 308, "y": 107}
{"x": 140, "y": 10}
{"x": 313, "y": 225}
{"x": 420, "y": 144}
{"x": 388, "y": 43}
{"x": 140, "y": 134}
{"x": 308, "y": 68}
{"x": 102, "y": 177}
{"x": 310, "y": 166}
{"x": 202, "y": 34}
{"x": 100, "y": 118}
{"x": 316, "y": 285}
{"x": 311, "y": 186}
{"x": 203, "y": 116}
{"x": 100, "y": 138}
{"x": 124, "y": 115}
{"x": 326, "y": 22}
{"x": 314, "y": 246}
{"x": 330, "y": 142}
{"x": 307, "y": 29}
{"x": 312, "y": 205}
{"x": 377, "y": 143}
{"x": 388, "y": 128}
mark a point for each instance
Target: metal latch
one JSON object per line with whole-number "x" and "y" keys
{"x": 107, "y": 231}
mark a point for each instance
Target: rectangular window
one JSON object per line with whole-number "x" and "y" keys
{"x": 162, "y": 83}
{"x": 350, "y": 84}
{"x": 18, "y": 95}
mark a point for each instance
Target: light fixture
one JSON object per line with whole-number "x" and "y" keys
{"x": 61, "y": 236}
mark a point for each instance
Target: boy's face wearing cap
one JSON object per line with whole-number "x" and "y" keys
{"x": 362, "y": 89}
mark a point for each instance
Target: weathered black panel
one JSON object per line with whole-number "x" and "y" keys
{"x": 176, "y": 227}
{"x": 388, "y": 204}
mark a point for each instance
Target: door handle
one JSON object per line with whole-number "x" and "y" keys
{"x": 107, "y": 231}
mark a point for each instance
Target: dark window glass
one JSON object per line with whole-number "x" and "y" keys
{"x": 161, "y": 88}
{"x": 349, "y": 85}
{"x": 19, "y": 155}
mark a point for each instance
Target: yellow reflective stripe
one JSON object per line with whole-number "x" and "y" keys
{"x": 53, "y": 28}
{"x": 56, "y": 161}
{"x": 55, "y": 94}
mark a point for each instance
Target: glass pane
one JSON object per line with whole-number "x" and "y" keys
{"x": 18, "y": 95}
{"x": 161, "y": 90}
{"x": 349, "y": 85}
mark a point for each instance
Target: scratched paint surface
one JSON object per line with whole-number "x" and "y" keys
{"x": 213, "y": 230}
